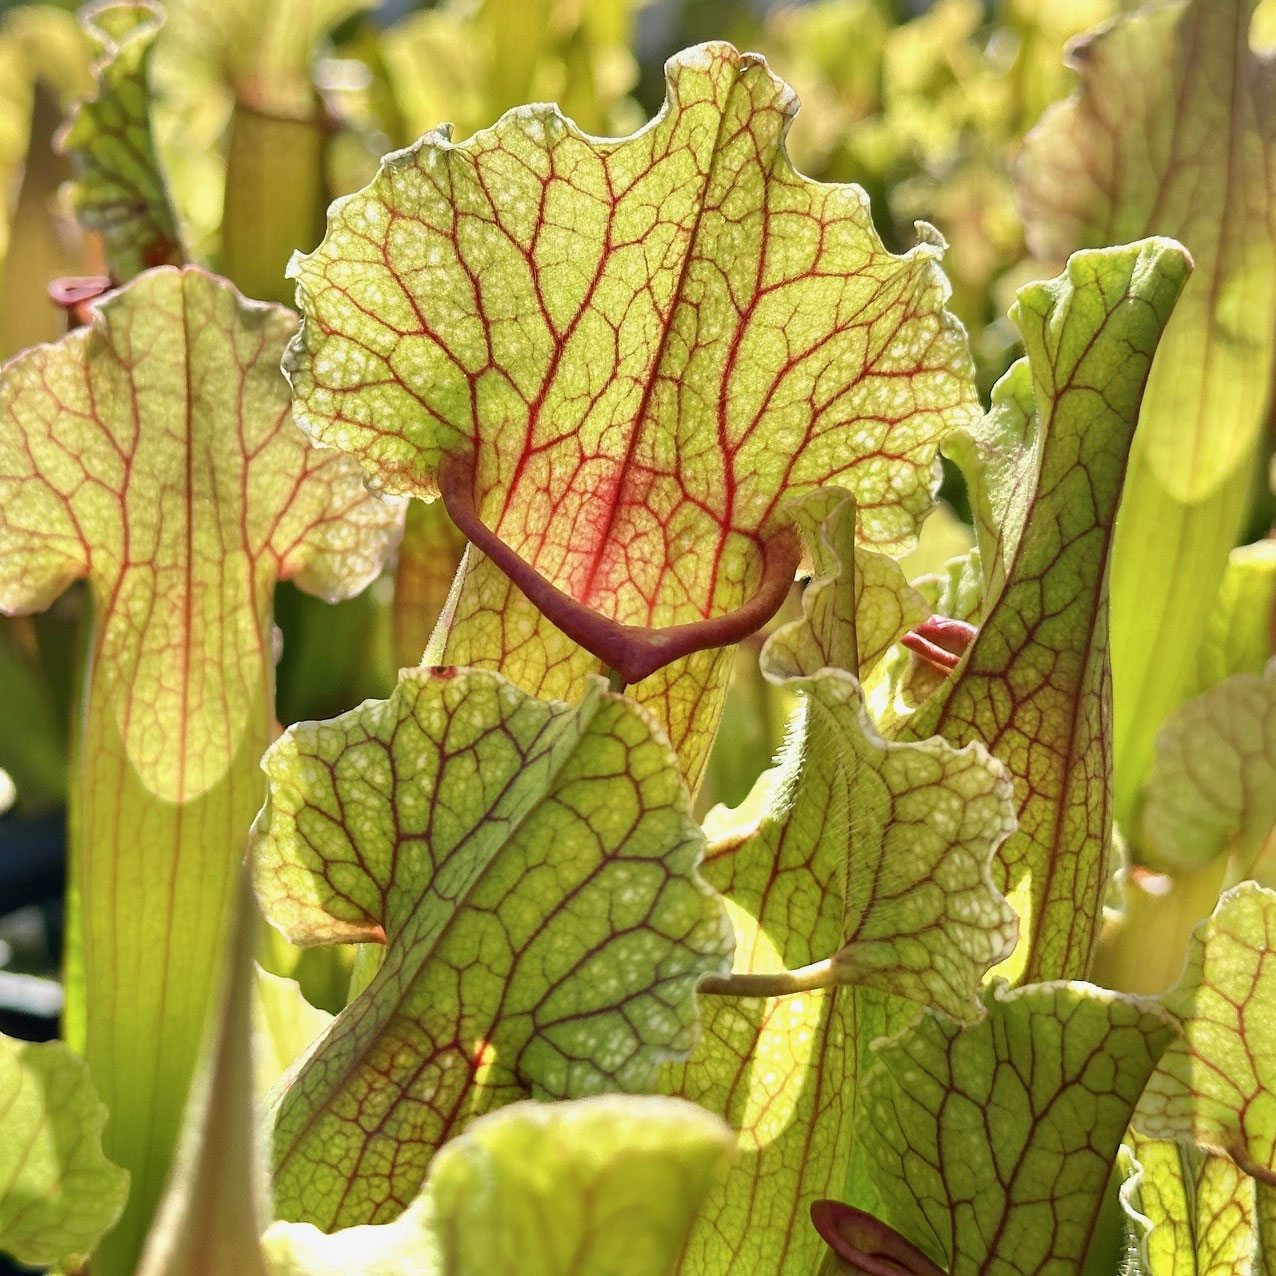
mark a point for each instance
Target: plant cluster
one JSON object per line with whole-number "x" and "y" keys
{"x": 628, "y": 449}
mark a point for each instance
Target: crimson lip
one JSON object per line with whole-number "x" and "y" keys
{"x": 940, "y": 642}
{"x": 76, "y": 293}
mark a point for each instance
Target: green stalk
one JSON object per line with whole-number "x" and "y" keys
{"x": 192, "y": 495}
{"x": 276, "y": 194}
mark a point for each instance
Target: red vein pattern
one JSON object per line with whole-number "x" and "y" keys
{"x": 152, "y": 453}
{"x": 1216, "y": 1085}
{"x": 992, "y": 1144}
{"x": 642, "y": 346}
{"x": 1172, "y": 131}
{"x": 1035, "y": 684}
{"x": 531, "y": 869}
{"x": 872, "y": 851}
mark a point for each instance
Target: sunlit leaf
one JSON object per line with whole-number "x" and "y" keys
{"x": 121, "y": 189}
{"x": 605, "y": 1184}
{"x": 285, "y": 1024}
{"x": 1215, "y": 1084}
{"x": 870, "y": 855}
{"x": 992, "y": 1144}
{"x": 617, "y": 359}
{"x": 530, "y": 867}
{"x": 1171, "y": 132}
{"x": 59, "y": 1192}
{"x": 1034, "y": 684}
{"x": 1212, "y": 787}
{"x": 153, "y": 453}
{"x": 608, "y": 1184}
{"x": 1191, "y": 1213}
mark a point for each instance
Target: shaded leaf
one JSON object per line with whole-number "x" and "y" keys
{"x": 1034, "y": 684}
{"x": 60, "y": 1192}
{"x": 153, "y": 453}
{"x": 264, "y": 48}
{"x": 121, "y": 189}
{"x": 530, "y": 866}
{"x": 862, "y": 1243}
{"x": 213, "y": 1210}
{"x": 1240, "y": 635}
{"x": 606, "y": 352}
{"x": 1171, "y": 132}
{"x": 1212, "y": 787}
{"x": 993, "y": 1143}
{"x": 468, "y": 63}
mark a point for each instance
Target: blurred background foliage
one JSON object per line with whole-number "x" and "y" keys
{"x": 267, "y": 109}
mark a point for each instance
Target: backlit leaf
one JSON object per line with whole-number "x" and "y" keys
{"x": 870, "y": 853}
{"x": 213, "y": 1211}
{"x": 429, "y": 555}
{"x": 617, "y": 359}
{"x": 1034, "y": 684}
{"x": 153, "y": 453}
{"x": 284, "y": 1023}
{"x": 992, "y": 1144}
{"x": 1172, "y": 132}
{"x": 1192, "y": 1213}
{"x": 59, "y": 1192}
{"x": 531, "y": 868}
{"x": 594, "y": 1186}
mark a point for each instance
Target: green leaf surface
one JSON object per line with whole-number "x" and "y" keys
{"x": 593, "y": 1187}
{"x": 867, "y": 854}
{"x": 153, "y": 453}
{"x": 60, "y": 1193}
{"x": 407, "y": 1246}
{"x": 429, "y": 556}
{"x": 608, "y": 352}
{"x": 1034, "y": 685}
{"x": 468, "y": 63}
{"x": 531, "y": 869}
{"x": 1171, "y": 132}
{"x": 992, "y": 1144}
{"x": 1191, "y": 1214}
{"x": 121, "y": 190}
{"x": 999, "y": 461}
{"x": 1216, "y": 1085}
{"x": 284, "y": 1024}
{"x": 213, "y": 1211}
{"x": 1212, "y": 787}
{"x": 1240, "y": 635}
